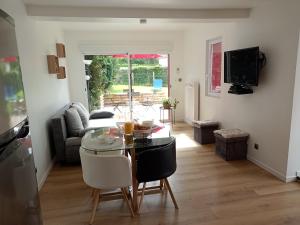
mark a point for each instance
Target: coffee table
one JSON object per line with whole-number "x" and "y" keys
{"x": 90, "y": 142}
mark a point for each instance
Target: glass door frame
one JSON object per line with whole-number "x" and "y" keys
{"x": 130, "y": 76}
{"x": 130, "y": 84}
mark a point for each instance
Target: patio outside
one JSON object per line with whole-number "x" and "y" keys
{"x": 108, "y": 76}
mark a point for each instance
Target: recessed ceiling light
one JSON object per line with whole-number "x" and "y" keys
{"x": 143, "y": 21}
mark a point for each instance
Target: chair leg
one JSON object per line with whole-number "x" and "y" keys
{"x": 142, "y": 195}
{"x": 93, "y": 193}
{"x": 161, "y": 185}
{"x": 96, "y": 203}
{"x": 171, "y": 193}
{"x": 129, "y": 196}
{"x": 127, "y": 201}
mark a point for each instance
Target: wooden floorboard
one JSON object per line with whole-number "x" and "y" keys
{"x": 208, "y": 190}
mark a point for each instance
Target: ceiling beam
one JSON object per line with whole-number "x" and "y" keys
{"x": 105, "y": 12}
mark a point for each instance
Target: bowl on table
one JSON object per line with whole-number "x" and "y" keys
{"x": 148, "y": 123}
{"x": 142, "y": 131}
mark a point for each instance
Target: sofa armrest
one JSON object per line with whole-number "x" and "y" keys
{"x": 59, "y": 133}
{"x": 72, "y": 149}
{"x": 73, "y": 141}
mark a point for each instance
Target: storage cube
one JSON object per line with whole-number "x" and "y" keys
{"x": 231, "y": 144}
{"x": 204, "y": 131}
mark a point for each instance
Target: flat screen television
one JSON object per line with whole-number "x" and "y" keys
{"x": 242, "y": 66}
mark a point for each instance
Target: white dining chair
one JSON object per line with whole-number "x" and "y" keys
{"x": 105, "y": 172}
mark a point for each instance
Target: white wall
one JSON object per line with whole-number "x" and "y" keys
{"x": 294, "y": 148}
{"x": 195, "y": 60}
{"x": 266, "y": 114}
{"x": 136, "y": 41}
{"x": 44, "y": 93}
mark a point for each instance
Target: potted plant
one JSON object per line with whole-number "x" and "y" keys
{"x": 175, "y": 103}
{"x": 167, "y": 103}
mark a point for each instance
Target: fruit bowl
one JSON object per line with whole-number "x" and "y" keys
{"x": 142, "y": 134}
{"x": 142, "y": 131}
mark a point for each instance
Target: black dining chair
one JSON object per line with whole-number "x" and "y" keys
{"x": 157, "y": 164}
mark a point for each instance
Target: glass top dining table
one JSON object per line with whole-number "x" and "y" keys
{"x": 109, "y": 139}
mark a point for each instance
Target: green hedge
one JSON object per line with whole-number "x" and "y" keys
{"x": 143, "y": 76}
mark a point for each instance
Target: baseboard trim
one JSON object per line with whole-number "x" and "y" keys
{"x": 45, "y": 175}
{"x": 186, "y": 120}
{"x": 291, "y": 179}
{"x": 276, "y": 173}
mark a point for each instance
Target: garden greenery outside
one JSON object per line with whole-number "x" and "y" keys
{"x": 11, "y": 83}
{"x": 109, "y": 75}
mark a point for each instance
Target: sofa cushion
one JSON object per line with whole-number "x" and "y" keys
{"x": 74, "y": 124}
{"x": 94, "y": 124}
{"x": 81, "y": 106}
{"x": 98, "y": 114}
{"x": 84, "y": 115}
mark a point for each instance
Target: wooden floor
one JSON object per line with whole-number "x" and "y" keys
{"x": 209, "y": 191}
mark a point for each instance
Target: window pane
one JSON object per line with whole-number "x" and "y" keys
{"x": 216, "y": 67}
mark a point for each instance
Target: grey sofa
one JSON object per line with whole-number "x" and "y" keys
{"x": 67, "y": 147}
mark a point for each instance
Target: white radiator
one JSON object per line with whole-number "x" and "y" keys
{"x": 192, "y": 102}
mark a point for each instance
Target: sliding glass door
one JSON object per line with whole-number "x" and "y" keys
{"x": 131, "y": 85}
{"x": 150, "y": 82}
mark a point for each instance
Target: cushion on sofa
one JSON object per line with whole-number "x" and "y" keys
{"x": 98, "y": 114}
{"x": 74, "y": 124}
{"x": 84, "y": 114}
{"x": 81, "y": 106}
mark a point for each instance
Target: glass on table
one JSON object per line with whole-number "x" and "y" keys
{"x": 128, "y": 139}
{"x": 128, "y": 127}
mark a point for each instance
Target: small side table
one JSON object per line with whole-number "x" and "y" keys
{"x": 171, "y": 111}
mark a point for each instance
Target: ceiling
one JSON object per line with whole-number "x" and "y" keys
{"x": 170, "y": 4}
{"x": 131, "y": 25}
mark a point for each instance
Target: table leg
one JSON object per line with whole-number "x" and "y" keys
{"x": 134, "y": 182}
{"x": 160, "y": 115}
{"x": 171, "y": 115}
{"x": 174, "y": 116}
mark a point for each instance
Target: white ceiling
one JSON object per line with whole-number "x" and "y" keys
{"x": 131, "y": 25}
{"x": 176, "y": 4}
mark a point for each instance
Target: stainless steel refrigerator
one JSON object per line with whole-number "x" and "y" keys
{"x": 19, "y": 199}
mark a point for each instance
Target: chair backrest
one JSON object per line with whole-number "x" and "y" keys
{"x": 157, "y": 163}
{"x": 105, "y": 171}
{"x": 157, "y": 84}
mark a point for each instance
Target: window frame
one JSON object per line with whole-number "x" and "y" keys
{"x": 208, "y": 74}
